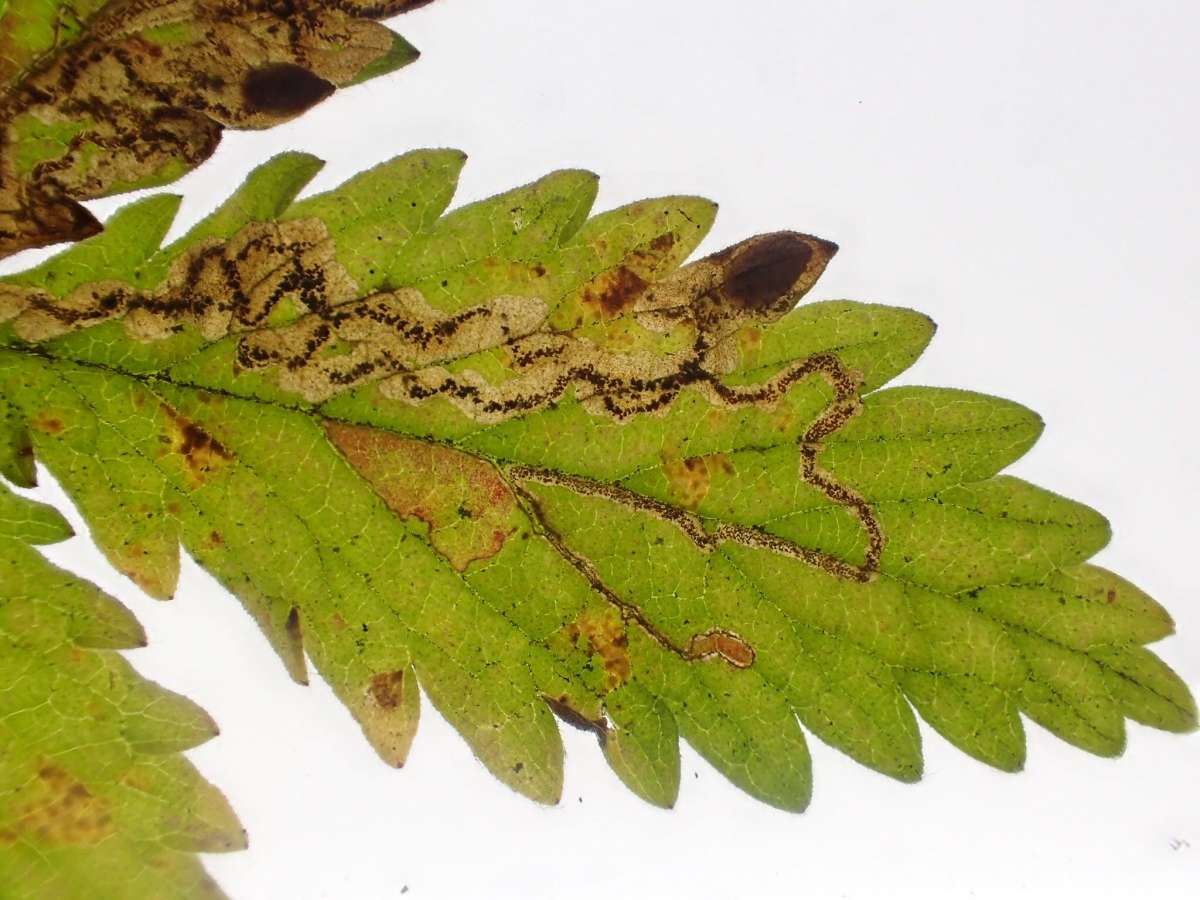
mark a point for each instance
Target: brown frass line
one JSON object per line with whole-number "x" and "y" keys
{"x": 844, "y": 405}
{"x": 718, "y": 641}
{"x": 705, "y": 645}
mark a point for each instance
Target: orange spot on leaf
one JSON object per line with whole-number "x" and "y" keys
{"x": 469, "y": 510}
{"x": 47, "y": 423}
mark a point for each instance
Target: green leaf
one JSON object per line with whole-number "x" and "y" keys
{"x": 95, "y": 798}
{"x": 542, "y": 466}
{"x": 103, "y": 96}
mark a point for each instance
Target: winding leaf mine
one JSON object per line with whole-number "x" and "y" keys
{"x": 101, "y": 97}
{"x": 541, "y": 465}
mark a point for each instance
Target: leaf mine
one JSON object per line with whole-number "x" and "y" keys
{"x": 102, "y": 97}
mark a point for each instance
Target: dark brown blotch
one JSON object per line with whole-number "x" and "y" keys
{"x": 196, "y": 442}
{"x": 283, "y": 89}
{"x": 758, "y": 275}
{"x": 615, "y": 291}
{"x": 202, "y": 452}
{"x": 61, "y": 219}
{"x": 661, "y": 244}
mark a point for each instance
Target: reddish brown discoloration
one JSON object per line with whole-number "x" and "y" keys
{"x": 339, "y": 623}
{"x": 47, "y": 423}
{"x": 614, "y": 292}
{"x": 749, "y": 339}
{"x": 131, "y": 561}
{"x": 57, "y": 810}
{"x": 387, "y": 689}
{"x": 469, "y": 509}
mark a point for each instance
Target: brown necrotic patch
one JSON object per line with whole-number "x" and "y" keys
{"x": 202, "y": 454}
{"x": 47, "y": 423}
{"x": 283, "y": 89}
{"x": 387, "y": 689}
{"x": 690, "y": 479}
{"x": 757, "y": 276}
{"x": 614, "y": 291}
{"x": 601, "y": 634}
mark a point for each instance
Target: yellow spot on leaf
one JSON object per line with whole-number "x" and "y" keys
{"x": 689, "y": 480}
{"x": 602, "y": 633}
{"x": 54, "y": 809}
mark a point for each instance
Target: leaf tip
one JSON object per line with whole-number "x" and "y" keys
{"x": 296, "y": 159}
{"x": 400, "y": 54}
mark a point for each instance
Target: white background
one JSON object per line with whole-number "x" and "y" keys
{"x": 1023, "y": 172}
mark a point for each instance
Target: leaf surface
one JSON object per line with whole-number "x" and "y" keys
{"x": 95, "y": 798}
{"x": 103, "y": 96}
{"x": 539, "y": 464}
